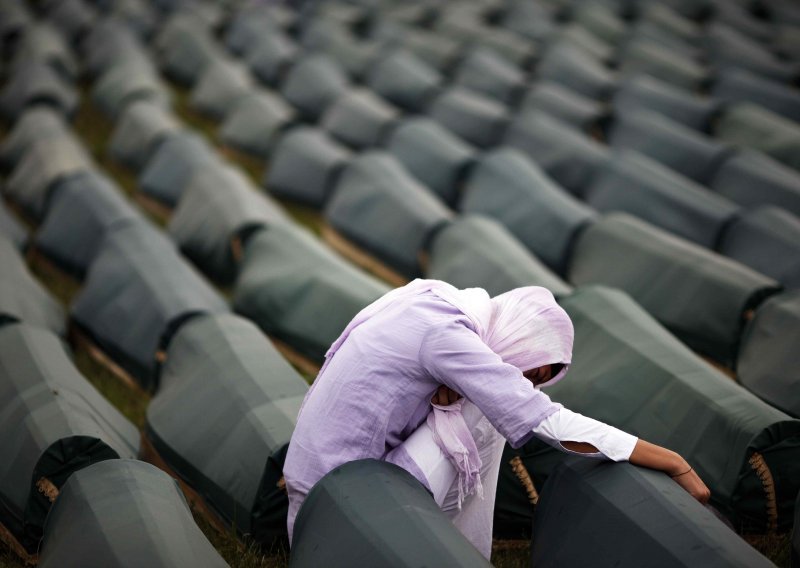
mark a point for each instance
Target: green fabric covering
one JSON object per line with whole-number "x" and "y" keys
{"x": 52, "y": 423}
{"x": 22, "y": 297}
{"x": 647, "y": 57}
{"x": 485, "y": 71}
{"x": 432, "y": 154}
{"x": 626, "y": 517}
{"x": 228, "y": 402}
{"x": 752, "y": 126}
{"x": 697, "y": 294}
{"x": 124, "y": 513}
{"x": 769, "y": 363}
{"x": 46, "y": 162}
{"x": 219, "y": 204}
{"x": 508, "y": 186}
{"x": 313, "y": 83}
{"x": 373, "y": 513}
{"x": 381, "y": 208}
{"x": 636, "y": 184}
{"x": 403, "y": 79}
{"x": 298, "y": 290}
{"x": 629, "y": 372}
{"x": 360, "y": 119}
{"x": 254, "y": 124}
{"x": 220, "y": 86}
{"x": 142, "y": 126}
{"x": 479, "y": 251}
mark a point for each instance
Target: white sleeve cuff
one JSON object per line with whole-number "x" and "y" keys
{"x": 567, "y": 426}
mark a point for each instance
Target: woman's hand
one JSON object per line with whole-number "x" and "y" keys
{"x": 692, "y": 483}
{"x": 444, "y": 396}
{"x": 655, "y": 457}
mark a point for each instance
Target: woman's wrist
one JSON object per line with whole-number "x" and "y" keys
{"x": 678, "y": 465}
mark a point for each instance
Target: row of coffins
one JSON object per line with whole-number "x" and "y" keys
{"x": 630, "y": 372}
{"x": 138, "y": 292}
{"x": 328, "y": 160}
{"x": 265, "y": 233}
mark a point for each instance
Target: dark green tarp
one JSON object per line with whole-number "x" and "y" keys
{"x": 12, "y": 229}
{"x": 645, "y": 32}
{"x": 220, "y": 87}
{"x": 45, "y": 163}
{"x": 269, "y": 59}
{"x": 701, "y": 296}
{"x": 381, "y": 208}
{"x": 373, "y": 513}
{"x": 534, "y": 21}
{"x": 635, "y": 184}
{"x": 255, "y": 122}
{"x": 131, "y": 79}
{"x": 766, "y": 239}
{"x": 84, "y": 208}
{"x": 506, "y": 185}
{"x": 223, "y": 418}
{"x": 566, "y": 64}
{"x": 643, "y": 56}
{"x": 477, "y": 119}
{"x": 485, "y": 71}
{"x": 436, "y": 50}
{"x": 564, "y": 104}
{"x": 141, "y": 128}
{"x": 354, "y": 55}
{"x": 138, "y": 291}
{"x": 37, "y": 123}
{"x": 573, "y": 36}
{"x": 43, "y": 43}
{"x": 248, "y": 25}
{"x": 752, "y": 126}
{"x": 305, "y": 165}
{"x": 403, "y": 79}
{"x": 600, "y": 20}
{"x": 628, "y": 371}
{"x": 739, "y": 85}
{"x": 627, "y": 517}
{"x": 360, "y": 119}
{"x": 22, "y": 298}
{"x": 185, "y": 48}
{"x": 39, "y": 83}
{"x": 299, "y": 291}
{"x": 679, "y": 147}
{"x": 643, "y": 92}
{"x": 478, "y": 251}
{"x": 564, "y": 153}
{"x": 109, "y": 43}
{"x": 173, "y": 164}
{"x": 220, "y": 204}
{"x": 52, "y": 423}
{"x": 726, "y": 47}
{"x": 124, "y": 513}
{"x": 432, "y": 154}
{"x": 751, "y": 178}
{"x": 744, "y": 19}
{"x": 72, "y": 17}
{"x": 668, "y": 20}
{"x": 313, "y": 83}
{"x": 769, "y": 360}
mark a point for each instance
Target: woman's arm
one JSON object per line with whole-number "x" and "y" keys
{"x": 651, "y": 456}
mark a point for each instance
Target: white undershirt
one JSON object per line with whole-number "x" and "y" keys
{"x": 567, "y": 426}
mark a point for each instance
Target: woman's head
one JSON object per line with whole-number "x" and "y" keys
{"x": 529, "y": 330}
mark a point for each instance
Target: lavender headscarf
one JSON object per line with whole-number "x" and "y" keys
{"x": 525, "y": 327}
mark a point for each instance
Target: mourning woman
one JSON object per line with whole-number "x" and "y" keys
{"x": 435, "y": 379}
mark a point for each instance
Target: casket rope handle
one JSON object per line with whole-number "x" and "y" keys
{"x": 761, "y": 468}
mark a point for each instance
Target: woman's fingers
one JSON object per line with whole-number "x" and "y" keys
{"x": 445, "y": 396}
